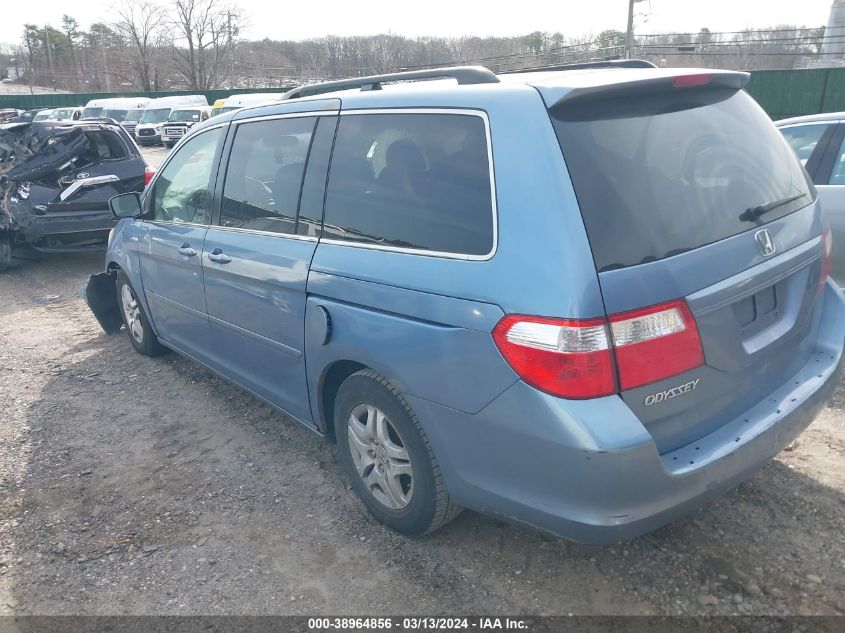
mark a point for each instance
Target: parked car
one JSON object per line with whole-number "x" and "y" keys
{"x": 148, "y": 130}
{"x": 819, "y": 141}
{"x": 56, "y": 179}
{"x": 130, "y": 121}
{"x": 236, "y": 102}
{"x": 66, "y": 114}
{"x": 9, "y": 114}
{"x": 217, "y": 107}
{"x": 586, "y": 301}
{"x": 115, "y": 108}
{"x": 180, "y": 121}
{"x": 25, "y": 116}
{"x": 43, "y": 115}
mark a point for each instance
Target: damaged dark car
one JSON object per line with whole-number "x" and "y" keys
{"x": 56, "y": 179}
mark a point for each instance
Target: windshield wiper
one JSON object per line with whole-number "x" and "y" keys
{"x": 752, "y": 214}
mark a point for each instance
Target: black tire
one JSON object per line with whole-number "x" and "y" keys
{"x": 5, "y": 251}
{"x": 141, "y": 336}
{"x": 430, "y": 506}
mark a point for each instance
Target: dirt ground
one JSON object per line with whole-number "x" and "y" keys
{"x": 131, "y": 485}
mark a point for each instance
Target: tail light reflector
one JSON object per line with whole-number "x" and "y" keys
{"x": 149, "y": 172}
{"x": 655, "y": 343}
{"x": 564, "y": 357}
{"x": 827, "y": 249}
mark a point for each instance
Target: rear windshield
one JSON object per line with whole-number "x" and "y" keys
{"x": 659, "y": 175}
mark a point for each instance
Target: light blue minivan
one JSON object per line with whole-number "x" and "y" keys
{"x": 586, "y": 299}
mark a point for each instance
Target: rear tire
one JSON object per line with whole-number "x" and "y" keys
{"x": 137, "y": 324}
{"x": 388, "y": 457}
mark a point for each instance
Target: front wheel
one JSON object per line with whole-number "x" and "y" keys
{"x": 141, "y": 335}
{"x": 388, "y": 457}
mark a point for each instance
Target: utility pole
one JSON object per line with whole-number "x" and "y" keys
{"x": 629, "y": 34}
{"x": 231, "y": 52}
{"x": 105, "y": 58}
{"x": 50, "y": 56}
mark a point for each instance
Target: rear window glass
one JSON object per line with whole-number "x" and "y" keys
{"x": 659, "y": 175}
{"x": 107, "y": 145}
{"x": 418, "y": 181}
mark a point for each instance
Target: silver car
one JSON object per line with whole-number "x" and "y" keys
{"x": 819, "y": 141}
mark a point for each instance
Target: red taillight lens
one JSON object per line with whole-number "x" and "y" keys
{"x": 563, "y": 357}
{"x": 655, "y": 343}
{"x": 687, "y": 81}
{"x": 827, "y": 249}
{"x": 575, "y": 358}
{"x": 149, "y": 172}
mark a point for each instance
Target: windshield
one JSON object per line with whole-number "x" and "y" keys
{"x": 61, "y": 114}
{"x": 42, "y": 116}
{"x": 134, "y": 115}
{"x": 159, "y": 115}
{"x": 185, "y": 115}
{"x": 91, "y": 113}
{"x": 117, "y": 115}
{"x": 661, "y": 174}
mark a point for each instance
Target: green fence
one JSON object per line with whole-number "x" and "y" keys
{"x": 782, "y": 93}
{"x": 60, "y": 99}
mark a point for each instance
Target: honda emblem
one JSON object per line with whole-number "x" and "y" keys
{"x": 765, "y": 244}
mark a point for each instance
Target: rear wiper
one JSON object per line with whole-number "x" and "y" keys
{"x": 752, "y": 214}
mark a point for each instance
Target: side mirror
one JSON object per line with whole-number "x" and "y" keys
{"x": 126, "y": 205}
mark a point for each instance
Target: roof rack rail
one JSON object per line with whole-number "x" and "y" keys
{"x": 609, "y": 63}
{"x": 465, "y": 75}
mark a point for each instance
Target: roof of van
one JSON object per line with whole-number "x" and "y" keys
{"x": 251, "y": 98}
{"x": 554, "y": 86}
{"x": 118, "y": 102}
{"x": 177, "y": 100}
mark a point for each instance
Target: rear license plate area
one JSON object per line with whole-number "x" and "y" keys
{"x": 757, "y": 312}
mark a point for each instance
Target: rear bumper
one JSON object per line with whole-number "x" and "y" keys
{"x": 589, "y": 470}
{"x": 77, "y": 225}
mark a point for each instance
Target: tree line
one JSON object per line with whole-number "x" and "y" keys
{"x": 197, "y": 45}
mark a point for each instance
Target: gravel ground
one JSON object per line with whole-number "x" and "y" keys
{"x": 131, "y": 485}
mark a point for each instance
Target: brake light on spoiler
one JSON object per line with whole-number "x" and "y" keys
{"x": 590, "y": 358}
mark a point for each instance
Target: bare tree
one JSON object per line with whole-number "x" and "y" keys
{"x": 141, "y": 23}
{"x": 203, "y": 41}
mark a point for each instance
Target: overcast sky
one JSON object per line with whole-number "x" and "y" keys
{"x": 299, "y": 20}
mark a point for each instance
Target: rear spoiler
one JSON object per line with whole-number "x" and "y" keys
{"x": 647, "y": 83}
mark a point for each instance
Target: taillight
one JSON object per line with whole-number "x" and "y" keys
{"x": 575, "y": 358}
{"x": 149, "y": 172}
{"x": 655, "y": 343}
{"x": 827, "y": 249}
{"x": 563, "y": 357}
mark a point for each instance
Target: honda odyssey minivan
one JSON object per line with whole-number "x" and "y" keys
{"x": 585, "y": 300}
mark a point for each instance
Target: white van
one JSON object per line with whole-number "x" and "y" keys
{"x": 113, "y": 107}
{"x": 235, "y": 102}
{"x": 148, "y": 131}
{"x": 180, "y": 121}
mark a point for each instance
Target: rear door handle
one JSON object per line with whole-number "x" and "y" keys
{"x": 186, "y": 250}
{"x": 218, "y": 257}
